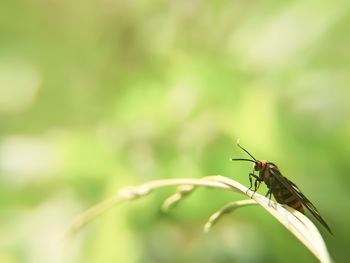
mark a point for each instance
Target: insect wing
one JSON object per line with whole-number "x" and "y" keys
{"x": 295, "y": 190}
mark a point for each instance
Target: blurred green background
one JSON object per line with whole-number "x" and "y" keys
{"x": 98, "y": 95}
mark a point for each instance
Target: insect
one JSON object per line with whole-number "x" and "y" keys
{"x": 284, "y": 191}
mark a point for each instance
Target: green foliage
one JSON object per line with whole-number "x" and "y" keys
{"x": 97, "y": 95}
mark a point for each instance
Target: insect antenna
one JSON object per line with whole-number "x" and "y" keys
{"x": 245, "y": 151}
{"x": 239, "y": 159}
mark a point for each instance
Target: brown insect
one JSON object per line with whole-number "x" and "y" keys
{"x": 284, "y": 191}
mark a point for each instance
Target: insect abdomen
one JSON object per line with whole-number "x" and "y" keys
{"x": 284, "y": 196}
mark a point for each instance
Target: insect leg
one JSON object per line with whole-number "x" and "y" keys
{"x": 251, "y": 182}
{"x": 271, "y": 179}
{"x": 256, "y": 185}
{"x": 268, "y": 192}
{"x": 270, "y": 198}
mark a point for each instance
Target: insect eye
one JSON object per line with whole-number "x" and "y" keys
{"x": 256, "y": 166}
